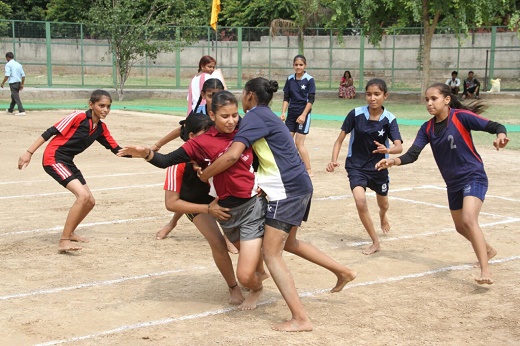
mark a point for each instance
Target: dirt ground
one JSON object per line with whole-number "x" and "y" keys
{"x": 126, "y": 288}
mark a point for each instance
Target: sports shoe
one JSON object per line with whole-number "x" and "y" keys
{"x": 7, "y": 111}
{"x": 20, "y": 113}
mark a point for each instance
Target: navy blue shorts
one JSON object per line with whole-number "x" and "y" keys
{"x": 64, "y": 173}
{"x": 293, "y": 126}
{"x": 474, "y": 188}
{"x": 377, "y": 181}
{"x": 290, "y": 211}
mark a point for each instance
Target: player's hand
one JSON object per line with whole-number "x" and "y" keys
{"x": 24, "y": 160}
{"x": 217, "y": 211}
{"x": 301, "y": 119}
{"x": 381, "y": 148}
{"x": 200, "y": 174}
{"x": 501, "y": 141}
{"x": 155, "y": 148}
{"x": 134, "y": 151}
{"x": 260, "y": 192}
{"x": 384, "y": 164}
{"x": 282, "y": 117}
{"x": 331, "y": 166}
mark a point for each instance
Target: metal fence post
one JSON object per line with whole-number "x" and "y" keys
{"x": 239, "y": 58}
{"x": 177, "y": 58}
{"x": 49, "y": 50}
{"x": 82, "y": 56}
{"x": 492, "y": 55}
{"x": 361, "y": 59}
{"x": 14, "y": 37}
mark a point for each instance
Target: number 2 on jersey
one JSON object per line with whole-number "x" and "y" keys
{"x": 452, "y": 140}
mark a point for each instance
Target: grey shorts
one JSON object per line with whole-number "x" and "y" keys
{"x": 246, "y": 221}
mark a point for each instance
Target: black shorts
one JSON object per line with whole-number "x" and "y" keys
{"x": 294, "y": 127}
{"x": 377, "y": 181}
{"x": 64, "y": 173}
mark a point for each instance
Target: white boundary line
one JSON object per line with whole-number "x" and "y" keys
{"x": 68, "y": 193}
{"x": 90, "y": 177}
{"x": 99, "y": 283}
{"x": 145, "y": 276}
{"x": 226, "y": 310}
{"x": 91, "y": 224}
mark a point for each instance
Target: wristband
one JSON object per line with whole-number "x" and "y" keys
{"x": 149, "y": 153}
{"x": 30, "y": 152}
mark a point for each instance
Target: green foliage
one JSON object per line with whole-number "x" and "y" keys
{"x": 29, "y": 9}
{"x": 75, "y": 11}
{"x": 134, "y": 30}
{"x": 5, "y": 10}
{"x": 256, "y": 13}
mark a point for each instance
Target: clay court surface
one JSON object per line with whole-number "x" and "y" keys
{"x": 126, "y": 288}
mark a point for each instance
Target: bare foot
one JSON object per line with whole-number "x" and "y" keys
{"x": 293, "y": 326}
{"x": 264, "y": 276}
{"x": 235, "y": 295}
{"x": 75, "y": 237}
{"x": 485, "y": 278}
{"x": 231, "y": 248}
{"x": 344, "y": 278}
{"x": 251, "y": 299}
{"x": 309, "y": 172}
{"x": 490, "y": 254}
{"x": 163, "y": 232}
{"x": 385, "y": 225}
{"x": 372, "y": 249}
{"x": 66, "y": 245}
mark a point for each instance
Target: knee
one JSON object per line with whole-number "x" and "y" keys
{"x": 246, "y": 278}
{"x": 468, "y": 222}
{"x": 361, "y": 203}
{"x": 291, "y": 245}
{"x": 270, "y": 255}
{"x": 383, "y": 206}
{"x": 87, "y": 200}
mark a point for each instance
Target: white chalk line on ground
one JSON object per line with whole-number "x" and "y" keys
{"x": 100, "y": 283}
{"x": 93, "y": 190}
{"x": 145, "y": 276}
{"x": 90, "y": 224}
{"x": 90, "y": 177}
{"x": 441, "y": 206}
{"x": 427, "y": 234}
{"x": 304, "y": 294}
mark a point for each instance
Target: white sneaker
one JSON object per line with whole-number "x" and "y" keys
{"x": 20, "y": 113}
{"x": 7, "y": 111}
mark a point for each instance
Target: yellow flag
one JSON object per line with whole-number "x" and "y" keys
{"x": 215, "y": 10}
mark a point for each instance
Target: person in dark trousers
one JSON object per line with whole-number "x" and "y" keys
{"x": 16, "y": 76}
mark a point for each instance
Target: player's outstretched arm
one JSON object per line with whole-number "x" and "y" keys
{"x": 25, "y": 158}
{"x": 176, "y": 133}
{"x": 501, "y": 141}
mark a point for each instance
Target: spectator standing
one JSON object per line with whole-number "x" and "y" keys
{"x": 15, "y": 76}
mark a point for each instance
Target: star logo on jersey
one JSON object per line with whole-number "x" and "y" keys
{"x": 303, "y": 87}
{"x": 381, "y": 133}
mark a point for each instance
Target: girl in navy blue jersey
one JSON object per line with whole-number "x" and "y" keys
{"x": 288, "y": 187}
{"x": 449, "y": 135}
{"x": 72, "y": 135}
{"x": 371, "y": 128}
{"x": 298, "y": 96}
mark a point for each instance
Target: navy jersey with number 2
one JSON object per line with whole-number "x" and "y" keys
{"x": 453, "y": 148}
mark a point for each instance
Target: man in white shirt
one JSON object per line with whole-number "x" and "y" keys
{"x": 16, "y": 76}
{"x": 454, "y": 83}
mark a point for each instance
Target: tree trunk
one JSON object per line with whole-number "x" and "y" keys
{"x": 429, "y": 30}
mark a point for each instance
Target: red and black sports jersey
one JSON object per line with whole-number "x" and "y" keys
{"x": 183, "y": 179}
{"x": 72, "y": 135}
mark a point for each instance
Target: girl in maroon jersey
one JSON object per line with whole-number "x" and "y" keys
{"x": 71, "y": 136}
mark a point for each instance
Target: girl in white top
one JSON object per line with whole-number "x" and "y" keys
{"x": 206, "y": 71}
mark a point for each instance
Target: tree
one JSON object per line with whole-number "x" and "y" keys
{"x": 375, "y": 17}
{"x": 135, "y": 29}
{"x": 74, "y": 11}
{"x": 29, "y": 9}
{"x": 308, "y": 13}
{"x": 256, "y": 13}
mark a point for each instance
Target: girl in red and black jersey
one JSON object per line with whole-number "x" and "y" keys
{"x": 71, "y": 136}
